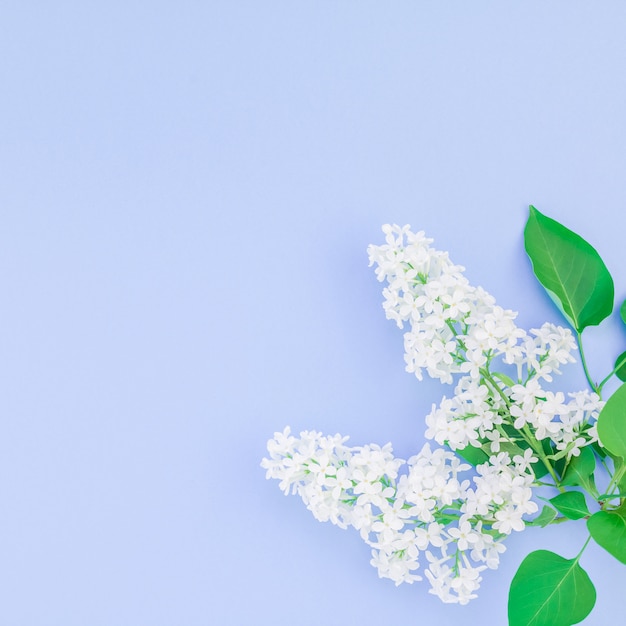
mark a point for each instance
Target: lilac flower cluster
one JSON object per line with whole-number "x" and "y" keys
{"x": 441, "y": 508}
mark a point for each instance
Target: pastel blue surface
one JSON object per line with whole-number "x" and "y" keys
{"x": 187, "y": 191}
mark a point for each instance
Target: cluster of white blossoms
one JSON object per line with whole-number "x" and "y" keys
{"x": 457, "y": 329}
{"x": 458, "y": 524}
{"x": 453, "y": 514}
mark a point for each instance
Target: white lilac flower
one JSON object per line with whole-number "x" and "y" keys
{"x": 464, "y": 534}
{"x": 430, "y": 293}
{"x": 433, "y": 505}
{"x": 457, "y": 329}
{"x": 465, "y": 418}
{"x": 552, "y": 346}
{"x": 426, "y": 510}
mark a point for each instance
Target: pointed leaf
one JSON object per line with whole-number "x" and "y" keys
{"x": 570, "y": 270}
{"x": 608, "y": 529}
{"x": 622, "y": 311}
{"x": 620, "y": 366}
{"x": 571, "y": 504}
{"x": 544, "y": 518}
{"x": 612, "y": 423}
{"x": 512, "y": 448}
{"x": 548, "y": 590}
{"x": 580, "y": 470}
{"x": 475, "y": 456}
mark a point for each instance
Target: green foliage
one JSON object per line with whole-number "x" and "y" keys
{"x": 599, "y": 450}
{"x": 620, "y": 366}
{"x": 579, "y": 471}
{"x": 544, "y": 518}
{"x": 608, "y": 529}
{"x": 477, "y": 456}
{"x": 570, "y": 270}
{"x": 513, "y": 449}
{"x": 474, "y": 456}
{"x": 618, "y": 464}
{"x": 549, "y": 590}
{"x": 539, "y": 468}
{"x": 571, "y": 504}
{"x": 521, "y": 444}
{"x": 612, "y": 423}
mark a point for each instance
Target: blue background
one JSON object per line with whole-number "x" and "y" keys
{"x": 187, "y": 191}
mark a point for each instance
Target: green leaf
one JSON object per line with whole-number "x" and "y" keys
{"x": 608, "y": 529}
{"x": 580, "y": 471}
{"x": 571, "y": 504}
{"x": 612, "y": 423}
{"x": 620, "y": 366}
{"x": 539, "y": 467}
{"x": 618, "y": 465}
{"x": 512, "y": 448}
{"x": 570, "y": 270}
{"x": 548, "y": 590}
{"x": 599, "y": 450}
{"x": 622, "y": 311}
{"x": 544, "y": 518}
{"x": 521, "y": 444}
{"x": 473, "y": 455}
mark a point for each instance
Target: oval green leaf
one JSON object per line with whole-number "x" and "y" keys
{"x": 580, "y": 471}
{"x": 475, "y": 456}
{"x": 570, "y": 270}
{"x": 620, "y": 367}
{"x": 548, "y": 590}
{"x": 608, "y": 529}
{"x": 571, "y": 504}
{"x": 612, "y": 423}
{"x": 622, "y": 311}
{"x": 544, "y": 518}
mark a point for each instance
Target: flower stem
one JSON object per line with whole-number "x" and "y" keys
{"x": 525, "y": 432}
{"x": 583, "y": 549}
{"x": 579, "y": 341}
{"x": 615, "y": 479}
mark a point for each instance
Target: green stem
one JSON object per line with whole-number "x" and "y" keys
{"x": 579, "y": 340}
{"x": 606, "y": 380}
{"x": 486, "y": 374}
{"x": 619, "y": 473}
{"x": 525, "y": 431}
{"x": 606, "y": 467}
{"x": 583, "y": 549}
{"x": 459, "y": 341}
{"x": 538, "y": 450}
{"x": 612, "y": 373}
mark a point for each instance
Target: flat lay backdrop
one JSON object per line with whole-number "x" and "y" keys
{"x": 187, "y": 192}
